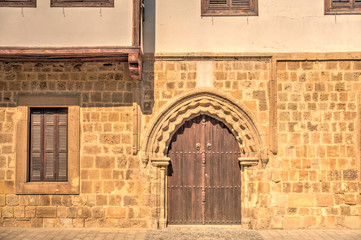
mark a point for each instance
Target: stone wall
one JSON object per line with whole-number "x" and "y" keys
{"x": 312, "y": 182}
{"x": 244, "y": 80}
{"x": 113, "y": 191}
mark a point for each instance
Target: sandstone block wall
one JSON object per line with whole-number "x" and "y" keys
{"x": 312, "y": 182}
{"x": 113, "y": 192}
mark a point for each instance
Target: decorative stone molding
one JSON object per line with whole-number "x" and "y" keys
{"x": 160, "y": 162}
{"x": 208, "y": 102}
{"x": 248, "y": 161}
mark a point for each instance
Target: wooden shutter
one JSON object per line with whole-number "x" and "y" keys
{"x": 49, "y": 144}
{"x": 229, "y": 7}
{"x": 82, "y": 3}
{"x": 342, "y": 6}
{"x": 229, "y": 3}
{"x": 62, "y": 145}
{"x": 218, "y": 3}
{"x": 240, "y": 3}
{"x": 36, "y": 146}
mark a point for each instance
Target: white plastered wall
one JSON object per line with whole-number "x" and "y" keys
{"x": 282, "y": 26}
{"x": 46, "y": 26}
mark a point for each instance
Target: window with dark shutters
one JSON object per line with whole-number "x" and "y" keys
{"x": 342, "y": 6}
{"x": 229, "y": 7}
{"x": 17, "y": 3}
{"x": 48, "y": 144}
{"x": 82, "y": 3}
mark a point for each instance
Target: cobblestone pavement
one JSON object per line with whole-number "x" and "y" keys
{"x": 175, "y": 232}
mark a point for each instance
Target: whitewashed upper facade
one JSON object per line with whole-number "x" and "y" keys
{"x": 281, "y": 26}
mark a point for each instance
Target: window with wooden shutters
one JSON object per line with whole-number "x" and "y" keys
{"x": 82, "y": 3}
{"x": 48, "y": 144}
{"x": 17, "y": 3}
{"x": 342, "y": 7}
{"x": 229, "y": 7}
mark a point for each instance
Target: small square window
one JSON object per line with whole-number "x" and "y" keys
{"x": 342, "y": 7}
{"x": 82, "y": 3}
{"x": 17, "y": 3}
{"x": 229, "y": 7}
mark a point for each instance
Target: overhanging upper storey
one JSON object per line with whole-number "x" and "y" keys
{"x": 89, "y": 32}
{"x": 132, "y": 55}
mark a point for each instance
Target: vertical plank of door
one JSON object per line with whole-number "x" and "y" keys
{"x": 219, "y": 177}
{"x": 197, "y": 204}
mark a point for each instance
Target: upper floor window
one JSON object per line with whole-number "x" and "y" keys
{"x": 82, "y": 3}
{"x": 17, "y": 3}
{"x": 342, "y": 6}
{"x": 229, "y": 7}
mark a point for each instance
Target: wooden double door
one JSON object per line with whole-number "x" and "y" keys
{"x": 204, "y": 177}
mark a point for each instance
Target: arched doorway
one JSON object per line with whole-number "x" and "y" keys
{"x": 173, "y": 115}
{"x": 204, "y": 177}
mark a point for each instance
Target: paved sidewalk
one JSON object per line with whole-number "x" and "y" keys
{"x": 175, "y": 232}
{"x": 311, "y": 234}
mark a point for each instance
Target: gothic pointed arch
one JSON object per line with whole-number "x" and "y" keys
{"x": 208, "y": 102}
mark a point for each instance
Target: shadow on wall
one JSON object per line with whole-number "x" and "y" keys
{"x": 147, "y": 84}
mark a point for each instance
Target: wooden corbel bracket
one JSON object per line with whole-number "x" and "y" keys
{"x": 135, "y": 61}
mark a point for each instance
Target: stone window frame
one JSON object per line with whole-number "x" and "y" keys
{"x": 344, "y": 8}
{"x": 207, "y": 10}
{"x": 103, "y": 3}
{"x": 24, "y": 103}
{"x": 9, "y": 3}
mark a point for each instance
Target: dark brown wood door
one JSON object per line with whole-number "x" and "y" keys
{"x": 204, "y": 177}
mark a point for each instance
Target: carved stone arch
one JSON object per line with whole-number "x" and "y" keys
{"x": 214, "y": 104}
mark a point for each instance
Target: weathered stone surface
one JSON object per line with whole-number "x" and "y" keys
{"x": 116, "y": 212}
{"x": 105, "y": 162}
{"x": 300, "y": 200}
{"x": 45, "y": 212}
{"x": 324, "y": 200}
{"x": 311, "y": 182}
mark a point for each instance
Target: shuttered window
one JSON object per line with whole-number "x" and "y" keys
{"x": 342, "y": 6}
{"x": 82, "y": 3}
{"x": 229, "y": 7}
{"x": 48, "y": 145}
{"x": 17, "y": 3}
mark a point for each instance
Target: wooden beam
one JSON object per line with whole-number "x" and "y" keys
{"x": 133, "y": 55}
